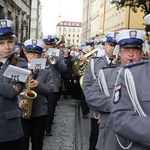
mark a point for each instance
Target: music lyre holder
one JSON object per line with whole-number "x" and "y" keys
{"x": 14, "y": 78}
{"x": 35, "y": 71}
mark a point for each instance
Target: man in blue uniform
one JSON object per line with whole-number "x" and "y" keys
{"x": 99, "y": 96}
{"x": 130, "y": 107}
{"x": 95, "y": 64}
{"x": 56, "y": 69}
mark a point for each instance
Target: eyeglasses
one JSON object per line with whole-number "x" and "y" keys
{"x": 128, "y": 51}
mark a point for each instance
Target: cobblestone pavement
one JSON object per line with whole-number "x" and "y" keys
{"x": 64, "y": 136}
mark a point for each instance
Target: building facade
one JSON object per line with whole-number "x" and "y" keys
{"x": 71, "y": 32}
{"x": 105, "y": 15}
{"x": 19, "y": 11}
{"x": 36, "y": 20}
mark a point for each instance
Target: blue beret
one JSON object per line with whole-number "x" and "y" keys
{"x": 33, "y": 45}
{"x": 7, "y": 28}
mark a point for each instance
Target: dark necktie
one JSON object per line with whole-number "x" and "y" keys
{"x": 1, "y": 64}
{"x": 111, "y": 60}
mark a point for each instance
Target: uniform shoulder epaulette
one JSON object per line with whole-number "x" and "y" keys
{"x": 135, "y": 64}
{"x": 95, "y": 57}
{"x": 107, "y": 67}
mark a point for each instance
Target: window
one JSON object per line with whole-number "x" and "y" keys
{"x": 78, "y": 30}
{"x": 10, "y": 15}
{"x": 60, "y": 29}
{"x": 2, "y": 15}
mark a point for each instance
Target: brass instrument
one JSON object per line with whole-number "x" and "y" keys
{"x": 116, "y": 60}
{"x": 52, "y": 58}
{"x": 79, "y": 66}
{"x": 61, "y": 41}
{"x": 29, "y": 95}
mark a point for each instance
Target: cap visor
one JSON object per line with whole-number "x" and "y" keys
{"x": 132, "y": 46}
{"x": 7, "y": 36}
{"x": 112, "y": 43}
{"x": 34, "y": 51}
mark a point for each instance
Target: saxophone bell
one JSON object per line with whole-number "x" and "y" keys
{"x": 30, "y": 95}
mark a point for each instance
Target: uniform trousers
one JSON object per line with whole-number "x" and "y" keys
{"x": 94, "y": 134}
{"x": 84, "y": 106}
{"x": 67, "y": 87}
{"x": 11, "y": 145}
{"x": 33, "y": 128}
{"x": 52, "y": 103}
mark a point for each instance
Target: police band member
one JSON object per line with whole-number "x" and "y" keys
{"x": 86, "y": 48}
{"x": 56, "y": 69}
{"x": 130, "y": 107}
{"x": 95, "y": 64}
{"x": 130, "y": 42}
{"x": 10, "y": 124}
{"x": 41, "y": 83}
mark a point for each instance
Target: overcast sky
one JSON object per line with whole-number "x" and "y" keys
{"x": 68, "y": 10}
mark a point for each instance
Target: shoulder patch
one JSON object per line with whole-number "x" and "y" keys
{"x": 117, "y": 94}
{"x": 135, "y": 64}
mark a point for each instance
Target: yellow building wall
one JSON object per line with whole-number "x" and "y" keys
{"x": 135, "y": 19}
{"x": 124, "y": 18}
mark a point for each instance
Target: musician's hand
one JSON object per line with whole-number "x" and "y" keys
{"x": 46, "y": 56}
{"x": 33, "y": 84}
{"x": 22, "y": 104}
{"x": 84, "y": 59}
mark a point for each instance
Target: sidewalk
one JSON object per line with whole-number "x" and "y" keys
{"x": 64, "y": 136}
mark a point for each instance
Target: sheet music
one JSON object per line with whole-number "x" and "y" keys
{"x": 53, "y": 52}
{"x": 38, "y": 62}
{"x": 16, "y": 73}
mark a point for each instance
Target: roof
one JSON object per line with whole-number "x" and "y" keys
{"x": 69, "y": 24}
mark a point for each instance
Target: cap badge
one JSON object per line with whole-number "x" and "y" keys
{"x": 133, "y": 34}
{"x": 3, "y": 24}
{"x": 34, "y": 42}
{"x": 115, "y": 34}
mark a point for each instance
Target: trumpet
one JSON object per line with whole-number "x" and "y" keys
{"x": 52, "y": 58}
